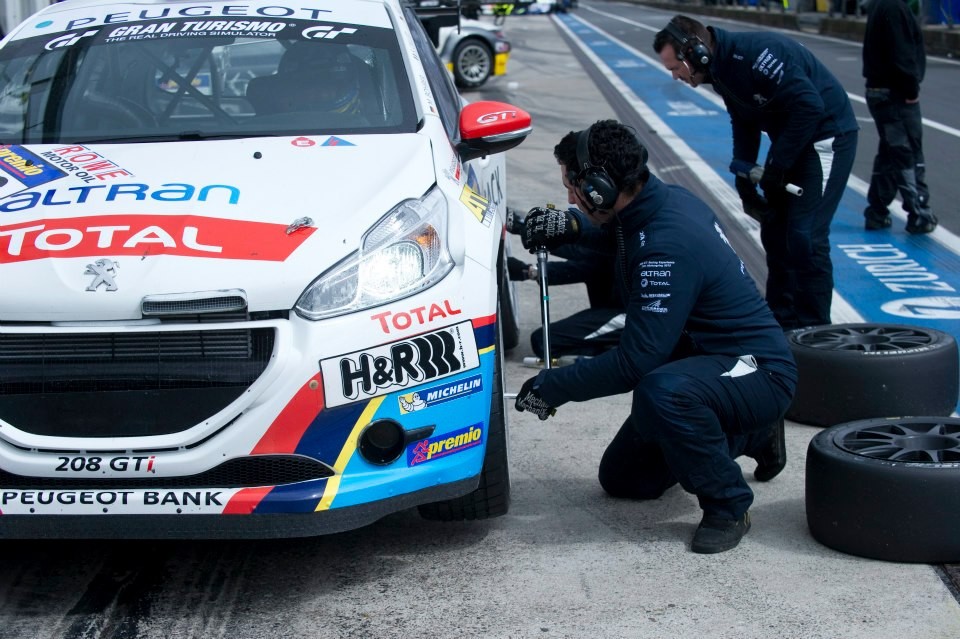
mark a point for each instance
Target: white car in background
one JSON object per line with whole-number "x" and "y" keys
{"x": 252, "y": 264}
{"x": 474, "y": 52}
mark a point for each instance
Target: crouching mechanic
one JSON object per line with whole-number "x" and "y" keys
{"x": 711, "y": 372}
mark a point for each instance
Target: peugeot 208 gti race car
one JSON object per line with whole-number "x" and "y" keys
{"x": 250, "y": 255}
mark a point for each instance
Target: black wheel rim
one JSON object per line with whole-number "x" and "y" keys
{"x": 866, "y": 338}
{"x": 930, "y": 442}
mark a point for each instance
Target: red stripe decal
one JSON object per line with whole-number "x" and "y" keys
{"x": 145, "y": 235}
{"x": 244, "y": 502}
{"x": 479, "y": 322}
{"x": 286, "y": 430}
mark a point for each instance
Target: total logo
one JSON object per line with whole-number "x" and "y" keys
{"x": 142, "y": 236}
{"x": 419, "y": 316}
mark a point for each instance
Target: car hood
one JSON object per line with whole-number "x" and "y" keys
{"x": 87, "y": 232}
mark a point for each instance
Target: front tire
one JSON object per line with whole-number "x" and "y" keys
{"x": 492, "y": 496}
{"x": 509, "y": 323}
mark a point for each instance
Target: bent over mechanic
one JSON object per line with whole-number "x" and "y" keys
{"x": 709, "y": 367}
{"x": 771, "y": 83}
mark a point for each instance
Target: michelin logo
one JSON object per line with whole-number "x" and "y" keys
{"x": 411, "y": 402}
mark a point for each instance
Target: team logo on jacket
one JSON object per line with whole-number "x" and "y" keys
{"x": 396, "y": 365}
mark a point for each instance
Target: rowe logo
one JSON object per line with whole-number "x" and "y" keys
{"x": 144, "y": 235}
{"x": 390, "y": 367}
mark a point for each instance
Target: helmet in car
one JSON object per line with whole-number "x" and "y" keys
{"x": 328, "y": 73}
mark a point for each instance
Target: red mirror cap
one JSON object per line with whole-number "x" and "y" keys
{"x": 480, "y": 119}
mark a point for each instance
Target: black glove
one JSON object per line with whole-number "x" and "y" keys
{"x": 517, "y": 270}
{"x": 515, "y": 222}
{"x": 549, "y": 228}
{"x": 529, "y": 399}
{"x": 772, "y": 181}
{"x": 754, "y": 204}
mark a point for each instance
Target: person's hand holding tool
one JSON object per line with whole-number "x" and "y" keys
{"x": 548, "y": 228}
{"x": 754, "y": 204}
{"x": 771, "y": 179}
{"x": 529, "y": 399}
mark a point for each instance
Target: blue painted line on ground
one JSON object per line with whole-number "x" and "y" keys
{"x": 886, "y": 276}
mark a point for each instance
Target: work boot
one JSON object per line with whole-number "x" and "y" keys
{"x": 715, "y": 534}
{"x": 874, "y": 220}
{"x": 772, "y": 456}
{"x": 918, "y": 225}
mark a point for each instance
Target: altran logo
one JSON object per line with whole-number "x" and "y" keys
{"x": 68, "y": 40}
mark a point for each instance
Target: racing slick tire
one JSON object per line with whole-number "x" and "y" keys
{"x": 472, "y": 63}
{"x": 860, "y": 371}
{"x": 887, "y": 489}
{"x": 492, "y": 496}
{"x": 509, "y": 319}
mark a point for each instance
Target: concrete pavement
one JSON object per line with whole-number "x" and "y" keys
{"x": 779, "y": 581}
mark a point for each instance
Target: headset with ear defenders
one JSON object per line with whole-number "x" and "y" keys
{"x": 691, "y": 48}
{"x": 594, "y": 182}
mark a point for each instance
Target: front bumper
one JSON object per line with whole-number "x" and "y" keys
{"x": 275, "y": 526}
{"x": 282, "y": 459}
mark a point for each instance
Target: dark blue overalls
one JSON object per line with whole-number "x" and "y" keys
{"x": 709, "y": 367}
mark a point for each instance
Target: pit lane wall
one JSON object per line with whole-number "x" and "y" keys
{"x": 940, "y": 39}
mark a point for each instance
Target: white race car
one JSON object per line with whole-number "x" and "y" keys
{"x": 250, "y": 257}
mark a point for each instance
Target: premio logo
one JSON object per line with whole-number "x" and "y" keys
{"x": 427, "y": 450}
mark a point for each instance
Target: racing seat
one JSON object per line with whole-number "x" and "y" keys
{"x": 314, "y": 78}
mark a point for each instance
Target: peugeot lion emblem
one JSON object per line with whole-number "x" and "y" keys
{"x": 104, "y": 271}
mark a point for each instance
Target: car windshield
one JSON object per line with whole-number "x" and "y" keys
{"x": 167, "y": 80}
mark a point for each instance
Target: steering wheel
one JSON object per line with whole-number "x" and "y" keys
{"x": 101, "y": 112}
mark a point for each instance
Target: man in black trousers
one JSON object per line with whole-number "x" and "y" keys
{"x": 772, "y": 84}
{"x": 894, "y": 63}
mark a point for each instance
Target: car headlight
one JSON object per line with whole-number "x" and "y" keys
{"x": 402, "y": 254}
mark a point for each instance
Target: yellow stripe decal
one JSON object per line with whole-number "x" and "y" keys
{"x": 484, "y": 351}
{"x": 349, "y": 446}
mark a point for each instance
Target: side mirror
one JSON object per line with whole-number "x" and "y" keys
{"x": 487, "y": 128}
